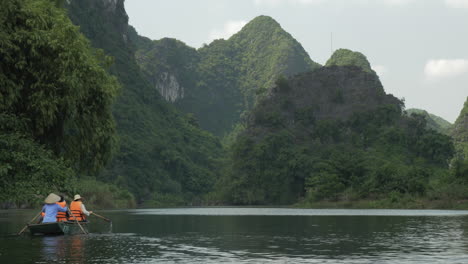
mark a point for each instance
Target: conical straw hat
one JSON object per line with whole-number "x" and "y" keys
{"x": 52, "y": 198}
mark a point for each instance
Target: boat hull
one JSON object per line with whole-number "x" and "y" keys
{"x": 57, "y": 228}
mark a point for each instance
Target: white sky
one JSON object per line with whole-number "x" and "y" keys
{"x": 418, "y": 47}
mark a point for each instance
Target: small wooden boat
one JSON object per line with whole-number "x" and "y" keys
{"x": 57, "y": 228}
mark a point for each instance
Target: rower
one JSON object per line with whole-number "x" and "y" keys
{"x": 78, "y": 209}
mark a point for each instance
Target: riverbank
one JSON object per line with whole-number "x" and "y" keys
{"x": 103, "y": 196}
{"x": 387, "y": 204}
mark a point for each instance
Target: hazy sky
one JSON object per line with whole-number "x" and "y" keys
{"x": 419, "y": 48}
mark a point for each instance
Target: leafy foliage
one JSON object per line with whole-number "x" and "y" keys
{"x": 55, "y": 103}
{"x": 51, "y": 78}
{"x": 28, "y": 171}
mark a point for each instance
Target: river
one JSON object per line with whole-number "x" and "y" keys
{"x": 247, "y": 235}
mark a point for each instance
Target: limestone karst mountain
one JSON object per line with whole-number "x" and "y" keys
{"x": 330, "y": 134}
{"x": 222, "y": 80}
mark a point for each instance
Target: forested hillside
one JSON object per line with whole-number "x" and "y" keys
{"x": 333, "y": 134}
{"x": 163, "y": 157}
{"x": 222, "y": 80}
{"x": 460, "y": 133}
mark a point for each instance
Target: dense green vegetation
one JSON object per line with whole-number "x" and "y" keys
{"x": 327, "y": 135}
{"x": 164, "y": 157}
{"x": 333, "y": 134}
{"x": 434, "y": 122}
{"x": 101, "y": 195}
{"x": 55, "y": 118}
{"x": 460, "y": 133}
{"x": 221, "y": 81}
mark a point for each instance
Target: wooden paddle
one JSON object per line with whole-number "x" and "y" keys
{"x": 78, "y": 222}
{"x": 102, "y": 217}
{"x": 26, "y": 226}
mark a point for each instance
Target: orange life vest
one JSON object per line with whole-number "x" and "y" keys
{"x": 75, "y": 208}
{"x": 62, "y": 216}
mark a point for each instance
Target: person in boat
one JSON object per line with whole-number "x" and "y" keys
{"x": 51, "y": 208}
{"x": 61, "y": 216}
{"x": 78, "y": 209}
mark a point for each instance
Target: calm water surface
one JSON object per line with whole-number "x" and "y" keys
{"x": 248, "y": 235}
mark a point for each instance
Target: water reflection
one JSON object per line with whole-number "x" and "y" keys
{"x": 52, "y": 249}
{"x": 190, "y": 238}
{"x": 62, "y": 248}
{"x": 77, "y": 249}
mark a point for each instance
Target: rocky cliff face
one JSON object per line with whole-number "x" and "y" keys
{"x": 168, "y": 64}
{"x": 224, "y": 79}
{"x": 169, "y": 87}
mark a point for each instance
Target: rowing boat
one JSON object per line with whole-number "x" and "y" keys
{"x": 57, "y": 228}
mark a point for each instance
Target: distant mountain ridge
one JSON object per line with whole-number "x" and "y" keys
{"x": 433, "y": 122}
{"x": 222, "y": 80}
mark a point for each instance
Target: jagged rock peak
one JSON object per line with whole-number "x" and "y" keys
{"x": 346, "y": 57}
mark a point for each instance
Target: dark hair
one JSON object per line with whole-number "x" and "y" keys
{"x": 61, "y": 198}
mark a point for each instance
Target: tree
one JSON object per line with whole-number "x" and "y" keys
{"x": 51, "y": 78}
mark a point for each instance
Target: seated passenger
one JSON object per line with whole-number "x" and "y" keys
{"x": 62, "y": 216}
{"x": 50, "y": 209}
{"x": 78, "y": 210}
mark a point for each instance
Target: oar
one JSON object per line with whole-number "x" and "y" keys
{"x": 76, "y": 220}
{"x": 102, "y": 217}
{"x": 26, "y": 226}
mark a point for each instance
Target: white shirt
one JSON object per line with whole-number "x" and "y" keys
{"x": 83, "y": 209}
